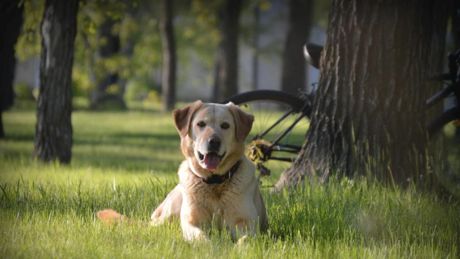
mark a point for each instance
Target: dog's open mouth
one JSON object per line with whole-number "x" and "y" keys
{"x": 211, "y": 160}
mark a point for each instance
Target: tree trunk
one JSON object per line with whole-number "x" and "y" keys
{"x": 293, "y": 76}
{"x": 368, "y": 115}
{"x": 228, "y": 74}
{"x": 255, "y": 46}
{"x": 11, "y": 16}
{"x": 168, "y": 77}
{"x": 455, "y": 23}
{"x": 455, "y": 27}
{"x": 109, "y": 46}
{"x": 53, "y": 136}
{"x": 216, "y": 88}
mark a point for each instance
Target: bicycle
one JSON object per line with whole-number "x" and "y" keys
{"x": 452, "y": 82}
{"x": 272, "y": 138}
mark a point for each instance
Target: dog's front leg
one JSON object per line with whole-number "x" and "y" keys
{"x": 191, "y": 223}
{"x": 169, "y": 208}
{"x": 243, "y": 228}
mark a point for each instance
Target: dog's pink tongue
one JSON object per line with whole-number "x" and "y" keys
{"x": 211, "y": 161}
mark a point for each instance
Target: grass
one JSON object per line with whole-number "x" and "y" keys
{"x": 128, "y": 160}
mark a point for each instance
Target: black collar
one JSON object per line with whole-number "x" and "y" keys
{"x": 218, "y": 179}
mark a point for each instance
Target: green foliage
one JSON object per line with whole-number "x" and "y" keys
{"x": 127, "y": 161}
{"x": 23, "y": 91}
{"x": 321, "y": 12}
{"x": 29, "y": 41}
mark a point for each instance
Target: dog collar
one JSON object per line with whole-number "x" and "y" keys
{"x": 218, "y": 179}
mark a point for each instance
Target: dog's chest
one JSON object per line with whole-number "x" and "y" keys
{"x": 218, "y": 198}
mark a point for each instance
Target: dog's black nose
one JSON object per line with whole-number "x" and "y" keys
{"x": 214, "y": 144}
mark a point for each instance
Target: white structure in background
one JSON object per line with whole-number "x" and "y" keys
{"x": 28, "y": 73}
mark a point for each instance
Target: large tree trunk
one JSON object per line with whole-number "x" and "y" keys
{"x": 109, "y": 46}
{"x": 11, "y": 16}
{"x": 168, "y": 77}
{"x": 53, "y": 136}
{"x": 455, "y": 27}
{"x": 228, "y": 67}
{"x": 368, "y": 116}
{"x": 455, "y": 23}
{"x": 293, "y": 74}
{"x": 255, "y": 46}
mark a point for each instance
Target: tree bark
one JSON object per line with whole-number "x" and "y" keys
{"x": 168, "y": 77}
{"x": 293, "y": 76}
{"x": 228, "y": 68}
{"x": 368, "y": 116}
{"x": 11, "y": 16}
{"x": 216, "y": 88}
{"x": 455, "y": 28}
{"x": 53, "y": 136}
{"x": 455, "y": 23}
{"x": 255, "y": 46}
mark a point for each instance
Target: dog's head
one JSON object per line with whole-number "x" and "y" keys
{"x": 212, "y": 135}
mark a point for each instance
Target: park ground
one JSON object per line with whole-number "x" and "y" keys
{"x": 127, "y": 161}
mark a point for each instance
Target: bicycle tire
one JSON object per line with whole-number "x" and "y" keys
{"x": 439, "y": 122}
{"x": 281, "y": 103}
{"x": 273, "y": 95}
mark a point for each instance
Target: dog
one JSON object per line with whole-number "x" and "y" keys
{"x": 217, "y": 183}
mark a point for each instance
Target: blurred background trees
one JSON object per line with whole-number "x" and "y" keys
{"x": 293, "y": 77}
{"x": 222, "y": 47}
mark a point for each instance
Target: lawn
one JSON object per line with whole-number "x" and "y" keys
{"x": 128, "y": 160}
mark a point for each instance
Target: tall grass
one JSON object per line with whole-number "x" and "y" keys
{"x": 127, "y": 161}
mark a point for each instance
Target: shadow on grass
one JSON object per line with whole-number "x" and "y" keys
{"x": 125, "y": 151}
{"x": 126, "y": 162}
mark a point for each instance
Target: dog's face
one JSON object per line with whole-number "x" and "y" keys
{"x": 212, "y": 135}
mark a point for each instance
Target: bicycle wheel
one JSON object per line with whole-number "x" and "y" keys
{"x": 447, "y": 125}
{"x": 281, "y": 121}
{"x": 436, "y": 125}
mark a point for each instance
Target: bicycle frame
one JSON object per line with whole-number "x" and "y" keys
{"x": 275, "y": 146}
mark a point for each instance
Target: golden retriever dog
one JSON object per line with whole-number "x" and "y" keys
{"x": 217, "y": 183}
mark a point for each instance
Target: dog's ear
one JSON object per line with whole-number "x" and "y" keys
{"x": 183, "y": 117}
{"x": 243, "y": 122}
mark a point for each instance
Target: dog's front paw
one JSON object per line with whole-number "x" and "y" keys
{"x": 242, "y": 240}
{"x": 196, "y": 237}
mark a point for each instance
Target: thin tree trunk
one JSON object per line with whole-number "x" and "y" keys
{"x": 369, "y": 117}
{"x": 109, "y": 46}
{"x": 293, "y": 76}
{"x": 228, "y": 75}
{"x": 53, "y": 136}
{"x": 11, "y": 17}
{"x": 216, "y": 88}
{"x": 168, "y": 77}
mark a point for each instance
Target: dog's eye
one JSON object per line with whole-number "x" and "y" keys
{"x": 201, "y": 124}
{"x": 225, "y": 125}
